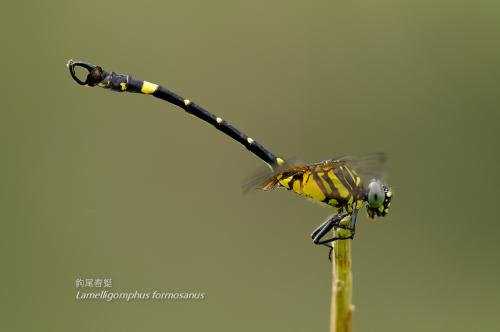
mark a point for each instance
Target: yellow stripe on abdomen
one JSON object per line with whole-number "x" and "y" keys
{"x": 148, "y": 87}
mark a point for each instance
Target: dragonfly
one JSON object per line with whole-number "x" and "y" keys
{"x": 345, "y": 184}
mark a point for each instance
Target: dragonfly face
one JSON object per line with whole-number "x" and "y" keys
{"x": 378, "y": 199}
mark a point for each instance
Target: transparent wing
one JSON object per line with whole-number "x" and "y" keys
{"x": 368, "y": 166}
{"x": 261, "y": 177}
{"x": 265, "y": 179}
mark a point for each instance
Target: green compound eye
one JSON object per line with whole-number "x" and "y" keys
{"x": 376, "y": 194}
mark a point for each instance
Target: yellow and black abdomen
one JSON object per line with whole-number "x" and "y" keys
{"x": 332, "y": 182}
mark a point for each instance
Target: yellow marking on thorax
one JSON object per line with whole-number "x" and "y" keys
{"x": 359, "y": 203}
{"x": 250, "y": 140}
{"x": 333, "y": 202}
{"x": 187, "y": 102}
{"x": 349, "y": 204}
{"x": 285, "y": 182}
{"x": 123, "y": 85}
{"x": 219, "y": 120}
{"x": 148, "y": 87}
{"x": 323, "y": 181}
{"x": 353, "y": 175}
{"x": 280, "y": 161}
{"x": 343, "y": 192}
{"x": 297, "y": 187}
{"x": 310, "y": 188}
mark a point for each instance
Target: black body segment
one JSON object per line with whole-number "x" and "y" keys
{"x": 125, "y": 83}
{"x": 218, "y": 123}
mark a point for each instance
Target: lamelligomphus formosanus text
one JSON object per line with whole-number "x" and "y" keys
{"x": 342, "y": 183}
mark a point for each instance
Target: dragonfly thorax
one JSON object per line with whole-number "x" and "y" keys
{"x": 331, "y": 182}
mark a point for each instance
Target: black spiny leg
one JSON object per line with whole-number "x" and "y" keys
{"x": 333, "y": 223}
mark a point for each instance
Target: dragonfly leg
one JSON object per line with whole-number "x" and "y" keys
{"x": 333, "y": 223}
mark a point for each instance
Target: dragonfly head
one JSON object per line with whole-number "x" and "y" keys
{"x": 378, "y": 198}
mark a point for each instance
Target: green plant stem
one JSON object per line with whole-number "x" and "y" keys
{"x": 341, "y": 307}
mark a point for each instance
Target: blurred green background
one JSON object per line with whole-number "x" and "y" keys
{"x": 104, "y": 185}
